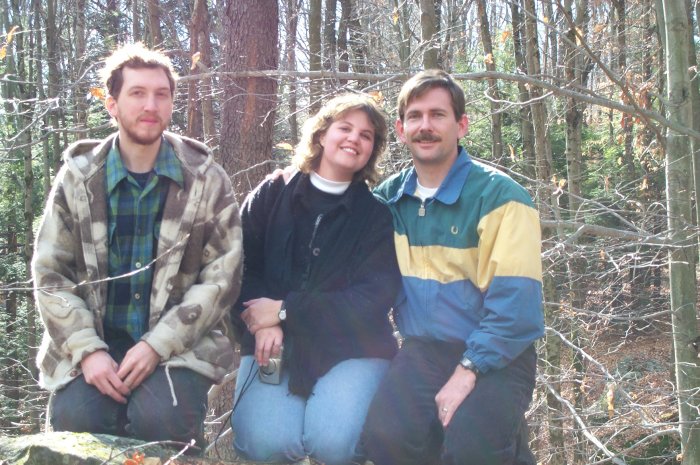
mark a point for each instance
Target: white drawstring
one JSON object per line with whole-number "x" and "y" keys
{"x": 170, "y": 383}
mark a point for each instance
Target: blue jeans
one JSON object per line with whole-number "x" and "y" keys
{"x": 488, "y": 428}
{"x": 272, "y": 425}
{"x": 149, "y": 414}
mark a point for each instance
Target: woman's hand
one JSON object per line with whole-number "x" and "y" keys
{"x": 261, "y": 313}
{"x": 268, "y": 343}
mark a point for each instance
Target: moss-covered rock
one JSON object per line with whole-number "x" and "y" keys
{"x": 86, "y": 449}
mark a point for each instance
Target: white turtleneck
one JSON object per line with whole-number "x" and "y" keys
{"x": 328, "y": 186}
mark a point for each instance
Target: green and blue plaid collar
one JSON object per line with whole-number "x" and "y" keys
{"x": 167, "y": 164}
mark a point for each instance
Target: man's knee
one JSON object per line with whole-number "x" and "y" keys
{"x": 169, "y": 408}
{"x": 387, "y": 441}
{"x": 80, "y": 407}
{"x": 479, "y": 446}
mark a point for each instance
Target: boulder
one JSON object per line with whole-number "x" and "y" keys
{"x": 61, "y": 448}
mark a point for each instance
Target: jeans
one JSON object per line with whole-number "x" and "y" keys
{"x": 488, "y": 428}
{"x": 272, "y": 425}
{"x": 149, "y": 414}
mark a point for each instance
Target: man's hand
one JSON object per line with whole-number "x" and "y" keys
{"x": 268, "y": 343}
{"x": 453, "y": 393}
{"x": 286, "y": 173}
{"x": 139, "y": 362}
{"x": 261, "y": 313}
{"x": 100, "y": 370}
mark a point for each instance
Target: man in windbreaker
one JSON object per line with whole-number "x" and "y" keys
{"x": 468, "y": 244}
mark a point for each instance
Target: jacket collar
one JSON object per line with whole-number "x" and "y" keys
{"x": 450, "y": 188}
{"x": 86, "y": 157}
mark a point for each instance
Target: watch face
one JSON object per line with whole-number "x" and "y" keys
{"x": 283, "y": 314}
{"x": 468, "y": 364}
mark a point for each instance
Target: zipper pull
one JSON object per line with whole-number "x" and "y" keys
{"x": 421, "y": 209}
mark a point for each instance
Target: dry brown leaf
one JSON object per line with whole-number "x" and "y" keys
{"x": 195, "y": 59}
{"x": 284, "y": 146}
{"x": 97, "y": 92}
{"x": 10, "y": 35}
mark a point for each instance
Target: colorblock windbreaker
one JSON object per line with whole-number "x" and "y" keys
{"x": 470, "y": 261}
{"x": 197, "y": 273}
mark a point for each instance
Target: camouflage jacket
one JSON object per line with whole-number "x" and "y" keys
{"x": 197, "y": 274}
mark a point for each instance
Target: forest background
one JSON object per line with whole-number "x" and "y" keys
{"x": 593, "y": 105}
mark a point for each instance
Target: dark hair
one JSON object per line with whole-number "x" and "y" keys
{"x": 427, "y": 80}
{"x": 134, "y": 56}
{"x": 309, "y": 150}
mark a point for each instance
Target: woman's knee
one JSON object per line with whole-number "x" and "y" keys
{"x": 334, "y": 446}
{"x": 254, "y": 441}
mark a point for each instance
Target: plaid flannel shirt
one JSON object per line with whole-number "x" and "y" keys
{"x": 135, "y": 214}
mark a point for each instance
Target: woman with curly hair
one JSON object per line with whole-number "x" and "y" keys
{"x": 319, "y": 280}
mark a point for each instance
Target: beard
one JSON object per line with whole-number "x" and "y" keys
{"x": 146, "y": 139}
{"x": 131, "y": 130}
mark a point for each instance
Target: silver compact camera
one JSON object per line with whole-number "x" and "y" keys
{"x": 272, "y": 373}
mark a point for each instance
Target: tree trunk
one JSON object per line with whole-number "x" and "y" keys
{"x": 290, "y": 53}
{"x": 543, "y": 168}
{"x": 248, "y": 113}
{"x": 576, "y": 74}
{"x": 357, "y": 40}
{"x": 111, "y": 33}
{"x": 493, "y": 93}
{"x": 682, "y": 255}
{"x": 695, "y": 105}
{"x": 627, "y": 122}
{"x": 194, "y": 107}
{"x": 330, "y": 62}
{"x": 155, "y": 36}
{"x": 428, "y": 22}
{"x": 200, "y": 110}
{"x": 10, "y": 381}
{"x": 316, "y": 89}
{"x": 527, "y": 131}
{"x": 343, "y": 30}
{"x": 549, "y": 40}
{"x": 403, "y": 32}
{"x": 81, "y": 104}
{"x": 54, "y": 77}
{"x": 136, "y": 30}
{"x": 543, "y": 151}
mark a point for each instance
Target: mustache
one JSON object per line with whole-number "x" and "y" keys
{"x": 426, "y": 137}
{"x": 149, "y": 116}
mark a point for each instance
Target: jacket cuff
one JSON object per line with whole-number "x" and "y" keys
{"x": 294, "y": 318}
{"x": 477, "y": 361}
{"x": 163, "y": 341}
{"x": 82, "y": 343}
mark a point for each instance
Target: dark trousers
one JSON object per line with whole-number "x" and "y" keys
{"x": 149, "y": 414}
{"x": 402, "y": 427}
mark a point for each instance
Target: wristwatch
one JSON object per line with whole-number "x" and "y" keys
{"x": 283, "y": 312}
{"x": 469, "y": 365}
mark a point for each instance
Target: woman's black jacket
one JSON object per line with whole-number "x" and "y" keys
{"x": 339, "y": 294}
